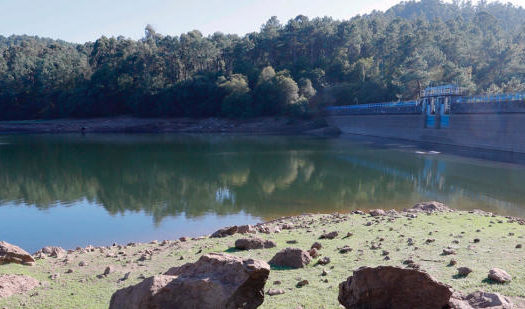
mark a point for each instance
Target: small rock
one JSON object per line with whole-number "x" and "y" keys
{"x": 464, "y": 271}
{"x": 499, "y": 275}
{"x": 324, "y": 261}
{"x": 245, "y": 229}
{"x": 448, "y": 251}
{"x": 69, "y": 271}
{"x": 330, "y": 235}
{"x": 302, "y": 283}
{"x": 345, "y": 249}
{"x": 291, "y": 257}
{"x": 82, "y": 264}
{"x": 109, "y": 270}
{"x": 224, "y": 232}
{"x": 375, "y": 246}
{"x": 518, "y": 246}
{"x": 377, "y": 212}
{"x": 479, "y": 299}
{"x": 317, "y": 245}
{"x": 273, "y": 292}
{"x": 126, "y": 276}
{"x": 452, "y": 262}
{"x": 313, "y": 252}
{"x": 254, "y": 243}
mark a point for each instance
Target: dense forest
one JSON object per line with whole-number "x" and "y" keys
{"x": 284, "y": 69}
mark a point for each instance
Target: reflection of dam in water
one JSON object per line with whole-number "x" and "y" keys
{"x": 442, "y": 179}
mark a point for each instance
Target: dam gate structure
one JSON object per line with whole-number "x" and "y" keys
{"x": 443, "y": 115}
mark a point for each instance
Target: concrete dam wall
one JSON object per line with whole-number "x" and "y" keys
{"x": 495, "y": 131}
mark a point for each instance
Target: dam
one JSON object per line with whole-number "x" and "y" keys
{"x": 442, "y": 115}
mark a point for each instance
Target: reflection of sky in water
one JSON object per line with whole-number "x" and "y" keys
{"x": 86, "y": 223}
{"x": 70, "y": 190}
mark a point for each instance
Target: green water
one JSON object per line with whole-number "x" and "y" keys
{"x": 73, "y": 190}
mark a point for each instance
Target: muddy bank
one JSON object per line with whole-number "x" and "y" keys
{"x": 268, "y": 125}
{"x": 438, "y": 241}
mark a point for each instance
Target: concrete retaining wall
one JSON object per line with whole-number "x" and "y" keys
{"x": 488, "y": 131}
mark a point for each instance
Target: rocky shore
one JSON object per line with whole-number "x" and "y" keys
{"x": 268, "y": 125}
{"x": 428, "y": 256}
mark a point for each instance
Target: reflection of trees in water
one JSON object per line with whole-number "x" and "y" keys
{"x": 195, "y": 175}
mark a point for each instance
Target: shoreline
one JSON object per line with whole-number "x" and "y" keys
{"x": 125, "y": 124}
{"x": 77, "y": 276}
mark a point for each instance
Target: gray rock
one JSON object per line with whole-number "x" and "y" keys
{"x": 499, "y": 275}
{"x": 291, "y": 257}
{"x": 214, "y": 281}
{"x": 13, "y": 254}
{"x": 254, "y": 243}
{"x": 392, "y": 287}
{"x": 464, "y": 271}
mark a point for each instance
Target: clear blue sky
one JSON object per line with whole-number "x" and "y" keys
{"x": 86, "y": 20}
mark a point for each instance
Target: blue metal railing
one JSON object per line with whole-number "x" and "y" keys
{"x": 406, "y": 107}
{"x": 510, "y": 103}
{"x": 498, "y": 98}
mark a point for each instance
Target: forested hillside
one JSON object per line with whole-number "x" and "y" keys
{"x": 290, "y": 68}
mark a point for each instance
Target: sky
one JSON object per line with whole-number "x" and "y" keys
{"x": 86, "y": 20}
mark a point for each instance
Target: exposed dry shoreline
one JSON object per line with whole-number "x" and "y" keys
{"x": 87, "y": 277}
{"x": 267, "y": 125}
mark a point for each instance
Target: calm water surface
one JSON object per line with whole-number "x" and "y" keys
{"x": 73, "y": 190}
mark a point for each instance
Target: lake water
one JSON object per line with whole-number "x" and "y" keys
{"x": 74, "y": 190}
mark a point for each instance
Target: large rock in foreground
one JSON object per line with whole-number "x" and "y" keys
{"x": 214, "y": 281}
{"x": 12, "y": 254}
{"x": 394, "y": 288}
{"x": 16, "y": 284}
{"x": 291, "y": 257}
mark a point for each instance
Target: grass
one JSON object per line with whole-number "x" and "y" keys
{"x": 496, "y": 248}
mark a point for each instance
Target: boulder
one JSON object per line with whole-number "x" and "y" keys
{"x": 214, "y": 281}
{"x": 291, "y": 257}
{"x": 224, "y": 232}
{"x": 480, "y": 300}
{"x": 430, "y": 207}
{"x": 16, "y": 284}
{"x": 392, "y": 287}
{"x": 13, "y": 254}
{"x": 253, "y": 243}
{"x": 499, "y": 275}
